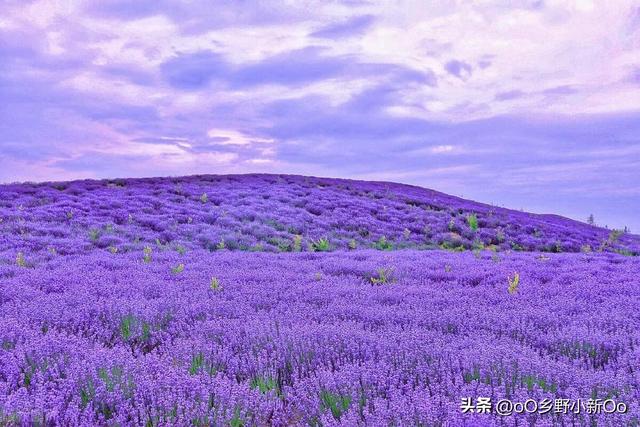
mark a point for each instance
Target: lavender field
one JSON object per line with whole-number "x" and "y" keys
{"x": 286, "y": 300}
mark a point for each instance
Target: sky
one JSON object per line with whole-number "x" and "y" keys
{"x": 531, "y": 105}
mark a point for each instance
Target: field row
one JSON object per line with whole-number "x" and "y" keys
{"x": 348, "y": 338}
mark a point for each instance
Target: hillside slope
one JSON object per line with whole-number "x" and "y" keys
{"x": 274, "y": 213}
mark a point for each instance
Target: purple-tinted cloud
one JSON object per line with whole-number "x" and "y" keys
{"x": 559, "y": 90}
{"x": 352, "y": 27}
{"x": 460, "y": 69}
{"x": 195, "y": 70}
{"x": 126, "y": 10}
{"x": 290, "y": 68}
{"x": 508, "y": 95}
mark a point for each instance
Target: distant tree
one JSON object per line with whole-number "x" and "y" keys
{"x": 591, "y": 220}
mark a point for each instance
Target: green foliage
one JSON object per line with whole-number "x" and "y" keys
{"x": 282, "y": 244}
{"x": 20, "y": 260}
{"x": 160, "y": 245}
{"x": 204, "y": 198}
{"x": 321, "y": 245}
{"x": 127, "y": 324}
{"x": 113, "y": 249}
{"x": 477, "y": 245}
{"x": 557, "y": 248}
{"x": 87, "y": 393}
{"x": 384, "y": 276}
{"x": 297, "y": 243}
{"x": 146, "y": 331}
{"x": 514, "y": 282}
{"x": 335, "y": 402}
{"x": 220, "y": 245}
{"x": 597, "y": 355}
{"x": 200, "y": 364}
{"x": 452, "y": 246}
{"x": 94, "y": 234}
{"x": 181, "y": 249}
{"x": 353, "y": 244}
{"x": 236, "y": 421}
{"x": 470, "y": 376}
{"x": 533, "y": 380}
{"x": 383, "y": 244}
{"x": 178, "y": 269}
{"x": 147, "y": 254}
{"x": 625, "y": 252}
{"x": 264, "y": 384}
{"x": 214, "y": 285}
{"x": 614, "y": 235}
{"x": 30, "y": 371}
{"x": 472, "y": 220}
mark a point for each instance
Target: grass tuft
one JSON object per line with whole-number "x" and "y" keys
{"x": 514, "y": 282}
{"x": 472, "y": 220}
{"x": 20, "y": 260}
{"x": 147, "y": 254}
{"x": 214, "y": 285}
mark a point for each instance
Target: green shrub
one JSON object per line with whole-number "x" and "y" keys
{"x": 214, "y": 285}
{"x": 384, "y": 276}
{"x": 297, "y": 243}
{"x": 614, "y": 235}
{"x": 335, "y": 402}
{"x": 20, "y": 260}
{"x": 321, "y": 245}
{"x": 263, "y": 384}
{"x": 94, "y": 234}
{"x": 147, "y": 254}
{"x": 383, "y": 244}
{"x": 514, "y": 282}
{"x": 353, "y": 244}
{"x": 472, "y": 220}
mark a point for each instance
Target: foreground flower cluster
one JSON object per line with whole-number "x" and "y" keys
{"x": 342, "y": 338}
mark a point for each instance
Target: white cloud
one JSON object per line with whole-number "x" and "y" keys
{"x": 232, "y": 137}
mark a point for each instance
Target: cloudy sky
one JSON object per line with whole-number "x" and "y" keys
{"x": 526, "y": 104}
